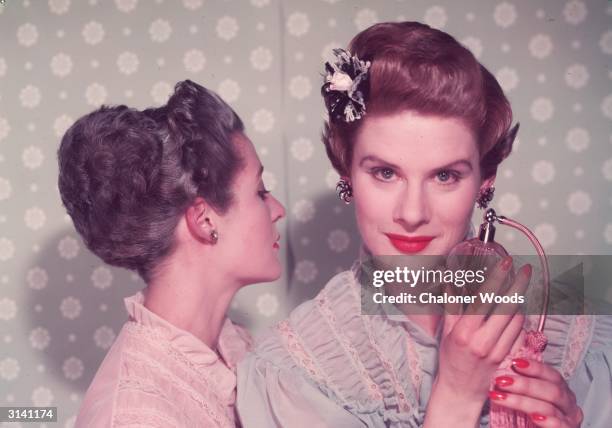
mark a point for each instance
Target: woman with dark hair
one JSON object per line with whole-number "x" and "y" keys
{"x": 171, "y": 193}
{"x": 417, "y": 129}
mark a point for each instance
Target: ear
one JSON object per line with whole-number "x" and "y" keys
{"x": 200, "y": 220}
{"x": 489, "y": 182}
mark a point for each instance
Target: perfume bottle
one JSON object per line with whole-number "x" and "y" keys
{"x": 481, "y": 252}
{"x": 484, "y": 252}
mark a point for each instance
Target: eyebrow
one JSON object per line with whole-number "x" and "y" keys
{"x": 457, "y": 162}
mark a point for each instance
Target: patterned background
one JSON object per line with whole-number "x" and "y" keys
{"x": 60, "y": 307}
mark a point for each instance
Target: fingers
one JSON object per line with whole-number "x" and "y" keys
{"x": 538, "y": 388}
{"x": 536, "y": 369}
{"x": 493, "y": 284}
{"x": 543, "y": 390}
{"x": 541, "y": 413}
{"x": 512, "y": 335}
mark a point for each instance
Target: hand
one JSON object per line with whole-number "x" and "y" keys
{"x": 473, "y": 345}
{"x": 472, "y": 348}
{"x": 539, "y": 391}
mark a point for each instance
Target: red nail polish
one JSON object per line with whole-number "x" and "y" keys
{"x": 538, "y": 417}
{"x": 504, "y": 381}
{"x": 520, "y": 363}
{"x": 527, "y": 270}
{"x": 507, "y": 263}
{"x": 497, "y": 395}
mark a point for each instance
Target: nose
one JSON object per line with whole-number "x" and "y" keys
{"x": 412, "y": 206}
{"x": 277, "y": 210}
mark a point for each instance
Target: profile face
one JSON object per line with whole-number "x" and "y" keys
{"x": 415, "y": 181}
{"x": 248, "y": 236}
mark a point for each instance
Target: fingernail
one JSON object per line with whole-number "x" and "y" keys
{"x": 507, "y": 263}
{"x": 504, "y": 381}
{"x": 527, "y": 269}
{"x": 497, "y": 395}
{"x": 538, "y": 417}
{"x": 520, "y": 363}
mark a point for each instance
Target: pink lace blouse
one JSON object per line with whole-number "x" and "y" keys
{"x": 157, "y": 375}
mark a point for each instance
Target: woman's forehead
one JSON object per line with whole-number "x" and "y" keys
{"x": 408, "y": 137}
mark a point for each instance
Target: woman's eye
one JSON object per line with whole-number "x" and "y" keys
{"x": 448, "y": 177}
{"x": 384, "y": 174}
{"x": 263, "y": 194}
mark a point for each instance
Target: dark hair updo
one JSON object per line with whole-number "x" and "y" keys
{"x": 421, "y": 69}
{"x": 126, "y": 176}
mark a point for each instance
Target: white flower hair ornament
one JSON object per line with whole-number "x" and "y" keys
{"x": 345, "y": 87}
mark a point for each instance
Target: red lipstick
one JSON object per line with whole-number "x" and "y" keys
{"x": 409, "y": 244}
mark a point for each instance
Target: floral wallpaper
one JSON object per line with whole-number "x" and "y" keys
{"x": 61, "y": 307}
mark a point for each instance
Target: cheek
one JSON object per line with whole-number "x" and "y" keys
{"x": 454, "y": 210}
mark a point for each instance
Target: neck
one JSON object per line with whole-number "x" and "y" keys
{"x": 192, "y": 298}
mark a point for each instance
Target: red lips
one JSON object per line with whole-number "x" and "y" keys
{"x": 409, "y": 244}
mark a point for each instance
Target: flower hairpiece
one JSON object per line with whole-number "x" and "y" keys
{"x": 345, "y": 90}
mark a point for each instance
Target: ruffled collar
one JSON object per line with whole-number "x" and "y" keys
{"x": 220, "y": 368}
{"x": 391, "y": 311}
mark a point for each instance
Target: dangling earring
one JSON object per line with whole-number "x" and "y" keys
{"x": 485, "y": 197}
{"x": 345, "y": 190}
{"x": 214, "y": 236}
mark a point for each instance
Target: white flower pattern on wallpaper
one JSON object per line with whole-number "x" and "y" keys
{"x": 229, "y": 90}
{"x": 32, "y": 157}
{"x": 508, "y": 78}
{"x": 194, "y": 60}
{"x": 42, "y": 397}
{"x": 298, "y": 24}
{"x": 543, "y": 172}
{"x": 30, "y": 96}
{"x": 104, "y": 337}
{"x": 61, "y": 65}
{"x": 227, "y": 28}
{"x": 304, "y": 210}
{"x": 40, "y": 338}
{"x": 504, "y": 15}
{"x": 102, "y": 277}
{"x": 93, "y": 33}
{"x": 9, "y": 369}
{"x": 61, "y": 124}
{"x": 546, "y": 233}
{"x": 364, "y": 18}
{"x": 8, "y": 309}
{"x": 540, "y": 46}
{"x": 7, "y": 249}
{"x": 436, "y": 17}
{"x": 261, "y": 58}
{"x": 302, "y": 149}
{"x": 73, "y": 368}
{"x": 59, "y": 7}
{"x": 27, "y": 34}
{"x": 160, "y": 30}
{"x": 575, "y": 12}
{"x": 306, "y": 271}
{"x": 68, "y": 248}
{"x": 5, "y": 189}
{"x": 300, "y": 87}
{"x": 5, "y": 128}
{"x": 126, "y": 6}
{"x": 267, "y": 304}
{"x": 35, "y": 218}
{"x": 37, "y": 278}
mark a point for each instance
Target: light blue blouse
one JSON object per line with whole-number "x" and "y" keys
{"x": 329, "y": 366}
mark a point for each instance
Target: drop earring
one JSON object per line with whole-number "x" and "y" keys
{"x": 345, "y": 190}
{"x": 214, "y": 236}
{"x": 484, "y": 197}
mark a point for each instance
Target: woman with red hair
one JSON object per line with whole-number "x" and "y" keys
{"x": 417, "y": 129}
